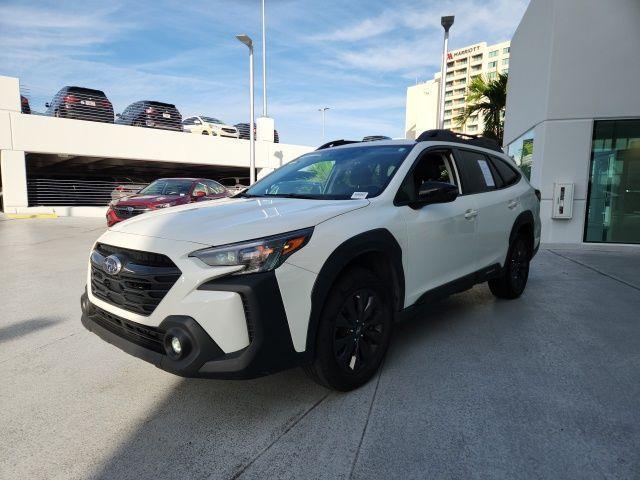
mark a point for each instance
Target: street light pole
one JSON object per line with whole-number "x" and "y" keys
{"x": 264, "y": 63}
{"x": 446, "y": 23}
{"x": 252, "y": 138}
{"x": 322, "y": 110}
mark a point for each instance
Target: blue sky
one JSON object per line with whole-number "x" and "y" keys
{"x": 356, "y": 57}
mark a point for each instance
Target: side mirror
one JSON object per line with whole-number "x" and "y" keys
{"x": 47, "y": 104}
{"x": 199, "y": 194}
{"x": 435, "y": 192}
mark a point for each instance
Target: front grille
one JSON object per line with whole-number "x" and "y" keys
{"x": 142, "y": 335}
{"x": 229, "y": 130}
{"x": 128, "y": 212}
{"x": 143, "y": 281}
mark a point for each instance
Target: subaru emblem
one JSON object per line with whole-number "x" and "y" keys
{"x": 112, "y": 265}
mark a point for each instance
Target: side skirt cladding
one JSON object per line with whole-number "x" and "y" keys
{"x": 379, "y": 244}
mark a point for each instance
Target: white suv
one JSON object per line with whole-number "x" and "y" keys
{"x": 312, "y": 265}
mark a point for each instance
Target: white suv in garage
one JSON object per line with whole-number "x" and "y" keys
{"x": 312, "y": 265}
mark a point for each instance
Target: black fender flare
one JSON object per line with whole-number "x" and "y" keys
{"x": 377, "y": 240}
{"x": 524, "y": 219}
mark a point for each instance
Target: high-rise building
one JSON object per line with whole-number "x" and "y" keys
{"x": 462, "y": 66}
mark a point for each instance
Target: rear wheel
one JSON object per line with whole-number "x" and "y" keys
{"x": 354, "y": 331}
{"x": 204, "y": 132}
{"x": 516, "y": 270}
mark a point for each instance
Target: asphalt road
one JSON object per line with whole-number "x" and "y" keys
{"x": 547, "y": 386}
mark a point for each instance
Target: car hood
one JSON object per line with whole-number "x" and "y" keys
{"x": 221, "y": 125}
{"x": 230, "y": 220}
{"x": 149, "y": 200}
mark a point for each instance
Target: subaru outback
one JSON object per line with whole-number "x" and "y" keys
{"x": 312, "y": 265}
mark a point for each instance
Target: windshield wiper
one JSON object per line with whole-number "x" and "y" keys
{"x": 294, "y": 195}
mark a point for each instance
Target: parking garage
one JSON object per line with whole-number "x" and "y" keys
{"x": 92, "y": 181}
{"x": 71, "y": 167}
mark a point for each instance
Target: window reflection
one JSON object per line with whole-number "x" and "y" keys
{"x": 613, "y": 209}
{"x": 521, "y": 151}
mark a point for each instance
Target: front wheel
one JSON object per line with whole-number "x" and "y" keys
{"x": 354, "y": 331}
{"x": 204, "y": 132}
{"x": 513, "y": 280}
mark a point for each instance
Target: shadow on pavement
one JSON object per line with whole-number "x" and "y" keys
{"x": 24, "y": 328}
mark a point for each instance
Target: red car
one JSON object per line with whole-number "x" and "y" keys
{"x": 163, "y": 193}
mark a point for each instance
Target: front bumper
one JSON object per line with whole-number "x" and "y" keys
{"x": 270, "y": 348}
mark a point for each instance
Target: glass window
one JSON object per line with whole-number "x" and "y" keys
{"x": 168, "y": 186}
{"x": 476, "y": 57}
{"x": 613, "y": 208}
{"x": 200, "y": 187}
{"x": 492, "y": 64}
{"x": 508, "y": 174}
{"x": 505, "y": 61}
{"x": 492, "y": 75}
{"x": 431, "y": 167}
{"x": 506, "y": 49}
{"x": 493, "y": 53}
{"x": 477, "y": 173}
{"x": 214, "y": 187}
{"x": 521, "y": 151}
{"x": 334, "y": 173}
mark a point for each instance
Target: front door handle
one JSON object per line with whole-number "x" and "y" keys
{"x": 513, "y": 204}
{"x": 470, "y": 214}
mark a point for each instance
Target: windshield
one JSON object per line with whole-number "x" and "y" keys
{"x": 343, "y": 173}
{"x": 212, "y": 120}
{"x": 168, "y": 187}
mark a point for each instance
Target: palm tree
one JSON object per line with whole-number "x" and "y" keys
{"x": 487, "y": 97}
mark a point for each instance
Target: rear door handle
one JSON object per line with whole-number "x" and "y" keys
{"x": 513, "y": 204}
{"x": 470, "y": 214}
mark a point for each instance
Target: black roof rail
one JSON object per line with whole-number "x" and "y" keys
{"x": 464, "y": 138}
{"x": 336, "y": 143}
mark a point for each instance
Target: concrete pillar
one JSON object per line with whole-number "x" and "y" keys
{"x": 9, "y": 94}
{"x": 14, "y": 180}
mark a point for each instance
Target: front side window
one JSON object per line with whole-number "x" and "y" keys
{"x": 432, "y": 166}
{"x": 334, "y": 173}
{"x": 214, "y": 187}
{"x": 167, "y": 187}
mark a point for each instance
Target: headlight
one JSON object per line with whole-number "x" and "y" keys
{"x": 259, "y": 255}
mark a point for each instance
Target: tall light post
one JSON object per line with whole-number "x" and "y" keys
{"x": 264, "y": 63}
{"x": 446, "y": 23}
{"x": 322, "y": 110}
{"x": 252, "y": 137}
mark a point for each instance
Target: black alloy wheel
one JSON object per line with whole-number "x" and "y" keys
{"x": 354, "y": 331}
{"x": 358, "y": 330}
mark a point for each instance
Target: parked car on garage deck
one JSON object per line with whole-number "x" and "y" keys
{"x": 209, "y": 126}
{"x": 151, "y": 114}
{"x": 243, "y": 132}
{"x": 81, "y": 103}
{"x": 24, "y": 105}
{"x": 164, "y": 193}
{"x": 312, "y": 264}
{"x": 127, "y": 189}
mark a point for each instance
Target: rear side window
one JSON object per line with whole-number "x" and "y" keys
{"x": 478, "y": 173}
{"x": 508, "y": 174}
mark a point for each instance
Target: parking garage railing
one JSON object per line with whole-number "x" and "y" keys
{"x": 53, "y": 192}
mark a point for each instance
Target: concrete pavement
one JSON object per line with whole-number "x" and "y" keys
{"x": 547, "y": 386}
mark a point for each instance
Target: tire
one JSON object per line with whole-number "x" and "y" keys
{"x": 354, "y": 331}
{"x": 512, "y": 282}
{"x": 204, "y": 132}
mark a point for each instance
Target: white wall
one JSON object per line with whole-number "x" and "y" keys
{"x": 572, "y": 61}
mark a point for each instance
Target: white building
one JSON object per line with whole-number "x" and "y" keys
{"x": 462, "y": 66}
{"x": 60, "y": 166}
{"x": 573, "y": 113}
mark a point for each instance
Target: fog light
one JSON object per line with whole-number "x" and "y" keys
{"x": 176, "y": 346}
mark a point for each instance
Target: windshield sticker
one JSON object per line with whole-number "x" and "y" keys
{"x": 359, "y": 195}
{"x": 486, "y": 173}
